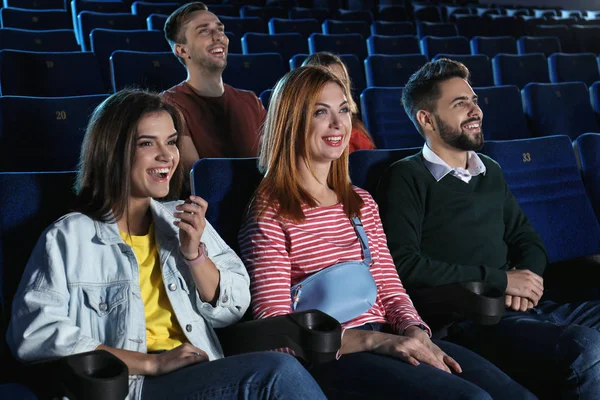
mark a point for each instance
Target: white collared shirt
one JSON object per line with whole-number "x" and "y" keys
{"x": 440, "y": 168}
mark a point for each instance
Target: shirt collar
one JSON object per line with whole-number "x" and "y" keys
{"x": 440, "y": 168}
{"x": 108, "y": 232}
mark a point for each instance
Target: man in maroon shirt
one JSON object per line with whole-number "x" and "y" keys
{"x": 221, "y": 121}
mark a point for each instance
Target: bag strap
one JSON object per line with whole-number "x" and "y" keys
{"x": 362, "y": 238}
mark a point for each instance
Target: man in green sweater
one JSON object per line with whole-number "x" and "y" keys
{"x": 450, "y": 217}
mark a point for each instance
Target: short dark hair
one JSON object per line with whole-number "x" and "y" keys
{"x": 422, "y": 90}
{"x": 104, "y": 178}
{"x": 174, "y": 32}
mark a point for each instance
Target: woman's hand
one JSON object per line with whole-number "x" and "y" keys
{"x": 179, "y": 357}
{"x": 191, "y": 223}
{"x": 443, "y": 358}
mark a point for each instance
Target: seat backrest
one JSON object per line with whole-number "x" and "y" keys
{"x": 228, "y": 10}
{"x": 559, "y": 109}
{"x": 105, "y": 41}
{"x": 479, "y": 66}
{"x": 490, "y": 46}
{"x": 305, "y": 27}
{"x": 238, "y": 26}
{"x": 392, "y": 70}
{"x": 36, "y": 4}
{"x": 392, "y": 28}
{"x": 143, "y": 9}
{"x": 48, "y": 41}
{"x": 265, "y": 13}
{"x": 42, "y": 133}
{"x": 562, "y": 32}
{"x": 520, "y": 69}
{"x": 425, "y": 12}
{"x": 265, "y": 98}
{"x": 503, "y": 117}
{"x": 432, "y": 45}
{"x": 587, "y": 147}
{"x": 368, "y": 166}
{"x": 386, "y": 120}
{"x": 538, "y": 44}
{"x": 156, "y": 22}
{"x": 354, "y": 15}
{"x": 542, "y": 174}
{"x": 581, "y": 67}
{"x": 255, "y": 72}
{"x": 470, "y": 26}
{"x": 595, "y": 98}
{"x": 35, "y": 19}
{"x": 351, "y": 43}
{"x": 227, "y": 184}
{"x": 154, "y": 71}
{"x": 391, "y": 12}
{"x": 443, "y": 29}
{"x": 25, "y": 73}
{"x": 30, "y": 202}
{"x": 89, "y": 20}
{"x": 504, "y": 25}
{"x": 393, "y": 45}
{"x": 586, "y": 38}
{"x": 286, "y": 44}
{"x": 318, "y": 13}
{"x": 334, "y": 27}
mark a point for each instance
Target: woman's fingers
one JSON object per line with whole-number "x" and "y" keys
{"x": 451, "y": 362}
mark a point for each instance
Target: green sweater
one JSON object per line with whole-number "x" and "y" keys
{"x": 451, "y": 231}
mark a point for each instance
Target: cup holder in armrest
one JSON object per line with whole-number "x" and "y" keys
{"x": 476, "y": 301}
{"x": 313, "y": 335}
{"x": 95, "y": 375}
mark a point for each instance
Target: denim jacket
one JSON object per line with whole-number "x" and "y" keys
{"x": 81, "y": 289}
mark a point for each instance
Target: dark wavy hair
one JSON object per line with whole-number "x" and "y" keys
{"x": 103, "y": 183}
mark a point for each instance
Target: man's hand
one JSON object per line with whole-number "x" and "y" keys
{"x": 524, "y": 283}
{"x": 517, "y": 303}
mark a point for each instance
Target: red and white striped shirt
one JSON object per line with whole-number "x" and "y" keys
{"x": 279, "y": 254}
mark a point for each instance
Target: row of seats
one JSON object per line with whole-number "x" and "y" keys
{"x": 58, "y": 74}
{"x": 503, "y": 69}
{"x": 542, "y": 173}
{"x": 153, "y": 17}
{"x": 538, "y": 110}
{"x": 550, "y": 109}
{"x": 353, "y": 9}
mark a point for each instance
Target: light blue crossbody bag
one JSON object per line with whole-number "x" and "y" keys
{"x": 345, "y": 290}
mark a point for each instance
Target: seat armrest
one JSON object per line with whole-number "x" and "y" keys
{"x": 313, "y": 336}
{"x": 95, "y": 375}
{"x": 476, "y": 301}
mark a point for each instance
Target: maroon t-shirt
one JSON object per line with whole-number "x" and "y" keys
{"x": 225, "y": 126}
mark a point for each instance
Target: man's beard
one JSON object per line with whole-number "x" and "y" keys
{"x": 459, "y": 139}
{"x": 210, "y": 66}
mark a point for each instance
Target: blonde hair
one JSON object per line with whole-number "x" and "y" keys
{"x": 286, "y": 134}
{"x": 326, "y": 59}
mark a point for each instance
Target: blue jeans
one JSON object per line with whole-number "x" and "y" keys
{"x": 552, "y": 349}
{"x": 268, "y": 375}
{"x": 372, "y": 376}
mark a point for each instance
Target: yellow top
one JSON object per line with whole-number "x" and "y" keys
{"x": 162, "y": 329}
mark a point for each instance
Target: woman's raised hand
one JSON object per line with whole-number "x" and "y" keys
{"x": 191, "y": 223}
